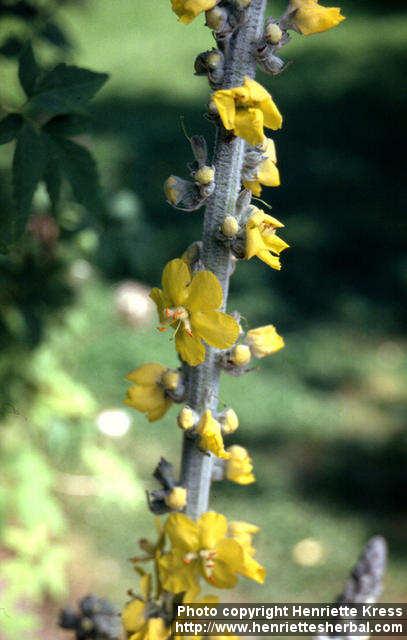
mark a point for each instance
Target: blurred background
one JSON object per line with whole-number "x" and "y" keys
{"x": 324, "y": 419}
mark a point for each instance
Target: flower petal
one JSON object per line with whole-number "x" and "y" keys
{"x": 215, "y": 327}
{"x": 228, "y": 561}
{"x": 182, "y": 532}
{"x": 252, "y": 569}
{"x": 175, "y": 575}
{"x": 148, "y": 399}
{"x": 225, "y": 104}
{"x": 272, "y": 117}
{"x": 205, "y": 292}
{"x": 148, "y": 373}
{"x": 254, "y": 242}
{"x": 213, "y": 528}
{"x": 190, "y": 348}
{"x": 133, "y": 615}
{"x": 253, "y": 186}
{"x": 249, "y": 125}
{"x": 175, "y": 280}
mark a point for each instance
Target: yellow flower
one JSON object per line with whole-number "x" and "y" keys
{"x": 267, "y": 172}
{"x": 229, "y": 421}
{"x": 188, "y": 10}
{"x": 148, "y": 394}
{"x": 239, "y": 467}
{"x": 137, "y": 624}
{"x": 264, "y": 341}
{"x": 210, "y": 433}
{"x": 246, "y": 110}
{"x": 243, "y": 533}
{"x": 201, "y": 549}
{"x": 261, "y": 238}
{"x": 190, "y": 303}
{"x": 311, "y": 17}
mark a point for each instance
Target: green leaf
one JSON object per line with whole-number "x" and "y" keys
{"x": 9, "y": 127}
{"x": 72, "y": 124}
{"x": 79, "y": 168}
{"x": 52, "y": 33}
{"x": 52, "y": 175}
{"x": 65, "y": 89}
{"x": 28, "y": 167}
{"x": 28, "y": 70}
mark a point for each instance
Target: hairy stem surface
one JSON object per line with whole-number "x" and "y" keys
{"x": 203, "y": 381}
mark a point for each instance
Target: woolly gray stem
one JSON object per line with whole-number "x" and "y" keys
{"x": 203, "y": 381}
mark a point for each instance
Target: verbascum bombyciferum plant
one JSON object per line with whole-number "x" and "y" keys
{"x": 196, "y": 546}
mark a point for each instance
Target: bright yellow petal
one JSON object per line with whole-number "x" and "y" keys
{"x": 274, "y": 243}
{"x": 175, "y": 280}
{"x": 217, "y": 329}
{"x": 268, "y": 174}
{"x": 249, "y": 125}
{"x": 270, "y": 260}
{"x": 272, "y": 117}
{"x": 256, "y": 91}
{"x": 254, "y": 242}
{"x": 175, "y": 575}
{"x": 156, "y": 629}
{"x": 253, "y": 186}
{"x": 149, "y": 400}
{"x": 213, "y": 528}
{"x": 133, "y": 615}
{"x": 149, "y": 373}
{"x": 228, "y": 561}
{"x": 225, "y": 104}
{"x": 205, "y": 292}
{"x": 263, "y": 341}
{"x": 210, "y": 436}
{"x": 190, "y": 348}
{"x": 239, "y": 467}
{"x": 311, "y": 17}
{"x": 182, "y": 532}
{"x": 252, "y": 569}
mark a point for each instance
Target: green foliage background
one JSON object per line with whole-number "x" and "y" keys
{"x": 324, "y": 419}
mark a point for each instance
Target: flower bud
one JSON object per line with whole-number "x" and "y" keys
{"x": 204, "y": 175}
{"x": 170, "y": 190}
{"x": 229, "y": 421}
{"x": 176, "y": 499}
{"x": 241, "y": 355}
{"x": 230, "y": 227}
{"x": 273, "y": 33}
{"x": 187, "y": 418}
{"x": 264, "y": 341}
{"x": 239, "y": 467}
{"x": 216, "y": 18}
{"x": 170, "y": 380}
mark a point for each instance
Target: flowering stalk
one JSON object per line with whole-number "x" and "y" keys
{"x": 203, "y": 381}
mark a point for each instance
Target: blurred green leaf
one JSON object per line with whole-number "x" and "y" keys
{"x": 28, "y": 70}
{"x": 79, "y": 168}
{"x": 53, "y": 34}
{"x": 66, "y": 88}
{"x": 9, "y": 127}
{"x": 28, "y": 167}
{"x": 52, "y": 175}
{"x": 67, "y": 125}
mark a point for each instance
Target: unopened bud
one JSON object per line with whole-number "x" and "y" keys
{"x": 230, "y": 227}
{"x": 176, "y": 499}
{"x": 214, "y": 59}
{"x": 204, "y": 175}
{"x": 171, "y": 191}
{"x": 229, "y": 421}
{"x": 216, "y": 18}
{"x": 241, "y": 355}
{"x": 170, "y": 380}
{"x": 187, "y": 418}
{"x": 273, "y": 33}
